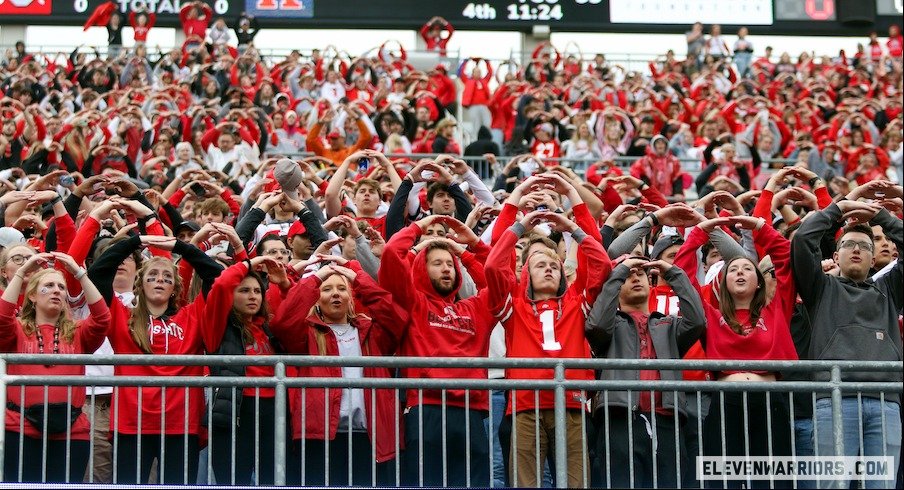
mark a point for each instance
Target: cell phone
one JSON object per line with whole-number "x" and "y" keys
{"x": 363, "y": 164}
{"x": 66, "y": 180}
{"x": 198, "y": 189}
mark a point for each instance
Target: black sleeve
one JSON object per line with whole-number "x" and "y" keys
{"x": 35, "y": 163}
{"x": 249, "y": 222}
{"x": 88, "y": 166}
{"x": 312, "y": 206}
{"x": 755, "y": 156}
{"x": 207, "y": 268}
{"x": 72, "y": 203}
{"x": 175, "y": 217}
{"x": 708, "y": 151}
{"x": 315, "y": 231}
{"x": 744, "y": 177}
{"x": 439, "y": 145}
{"x": 704, "y": 176}
{"x": 103, "y": 270}
{"x": 395, "y": 216}
{"x": 50, "y": 238}
{"x": 463, "y": 205}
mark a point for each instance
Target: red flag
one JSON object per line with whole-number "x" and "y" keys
{"x": 101, "y": 15}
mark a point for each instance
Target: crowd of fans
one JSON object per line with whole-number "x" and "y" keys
{"x": 149, "y": 207}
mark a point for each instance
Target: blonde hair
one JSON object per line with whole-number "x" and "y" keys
{"x": 28, "y": 314}
{"x": 138, "y": 322}
{"x": 350, "y": 315}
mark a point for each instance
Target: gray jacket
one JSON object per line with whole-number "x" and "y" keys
{"x": 612, "y": 334}
{"x": 849, "y": 320}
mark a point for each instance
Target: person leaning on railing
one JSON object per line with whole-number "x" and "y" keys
{"x": 44, "y": 326}
{"x": 746, "y": 327}
{"x": 621, "y": 326}
{"x": 157, "y": 324}
{"x": 318, "y": 317}
{"x": 236, "y": 323}
{"x": 854, "y": 317}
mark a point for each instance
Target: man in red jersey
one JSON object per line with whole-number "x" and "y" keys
{"x": 544, "y": 318}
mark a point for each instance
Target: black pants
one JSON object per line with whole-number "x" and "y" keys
{"x": 254, "y": 433}
{"x": 33, "y": 455}
{"x": 171, "y": 464}
{"x": 362, "y": 462}
{"x": 460, "y": 456}
{"x": 756, "y": 436}
{"x": 640, "y": 450}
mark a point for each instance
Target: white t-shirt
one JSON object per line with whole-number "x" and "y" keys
{"x": 351, "y": 408}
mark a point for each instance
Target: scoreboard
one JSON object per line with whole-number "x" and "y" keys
{"x": 790, "y": 17}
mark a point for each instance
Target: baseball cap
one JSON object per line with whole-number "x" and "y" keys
{"x": 10, "y": 236}
{"x": 289, "y": 176}
{"x": 664, "y": 242}
{"x": 297, "y": 228}
{"x": 191, "y": 225}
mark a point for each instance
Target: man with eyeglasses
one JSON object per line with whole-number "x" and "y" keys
{"x": 854, "y": 317}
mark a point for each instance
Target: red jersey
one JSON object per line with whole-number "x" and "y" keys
{"x": 549, "y": 149}
{"x": 545, "y": 329}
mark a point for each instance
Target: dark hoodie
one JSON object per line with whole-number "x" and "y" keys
{"x": 552, "y": 328}
{"x": 482, "y": 145}
{"x": 440, "y": 326}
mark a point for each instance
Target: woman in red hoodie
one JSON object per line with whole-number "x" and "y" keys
{"x": 318, "y": 317}
{"x": 44, "y": 326}
{"x": 746, "y": 326}
{"x": 235, "y": 323}
{"x": 153, "y": 422}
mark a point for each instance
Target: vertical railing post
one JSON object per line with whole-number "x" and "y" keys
{"x": 2, "y": 404}
{"x": 561, "y": 429}
{"x": 279, "y": 456}
{"x": 837, "y": 416}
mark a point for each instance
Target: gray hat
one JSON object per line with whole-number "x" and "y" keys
{"x": 664, "y": 242}
{"x": 289, "y": 176}
{"x": 10, "y": 236}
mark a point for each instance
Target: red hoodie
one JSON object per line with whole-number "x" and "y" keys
{"x": 379, "y": 333}
{"x": 660, "y": 171}
{"x": 770, "y": 338}
{"x": 89, "y": 335}
{"x": 552, "y": 328}
{"x": 440, "y": 325}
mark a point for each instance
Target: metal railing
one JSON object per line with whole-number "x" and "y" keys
{"x": 286, "y": 386}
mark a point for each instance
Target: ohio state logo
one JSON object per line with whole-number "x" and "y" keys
{"x": 26, "y": 7}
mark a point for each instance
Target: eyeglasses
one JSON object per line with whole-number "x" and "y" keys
{"x": 851, "y": 244}
{"x": 19, "y": 259}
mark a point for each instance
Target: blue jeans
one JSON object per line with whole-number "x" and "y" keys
{"x": 497, "y": 400}
{"x": 803, "y": 446}
{"x": 880, "y": 437}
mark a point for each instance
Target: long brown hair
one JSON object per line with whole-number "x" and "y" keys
{"x": 138, "y": 322}
{"x": 726, "y": 302}
{"x": 28, "y": 314}
{"x": 262, "y": 312}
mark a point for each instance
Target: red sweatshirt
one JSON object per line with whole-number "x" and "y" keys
{"x": 379, "y": 334}
{"x": 545, "y": 329}
{"x": 141, "y": 32}
{"x": 440, "y": 325}
{"x": 770, "y": 338}
{"x": 89, "y": 335}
